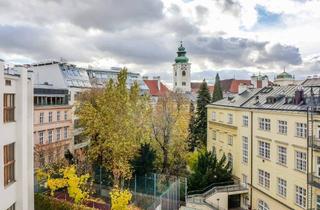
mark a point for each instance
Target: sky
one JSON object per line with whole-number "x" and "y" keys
{"x": 235, "y": 38}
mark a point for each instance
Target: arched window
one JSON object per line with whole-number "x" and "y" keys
{"x": 183, "y": 73}
{"x": 230, "y": 159}
{"x": 262, "y": 205}
{"x": 175, "y": 73}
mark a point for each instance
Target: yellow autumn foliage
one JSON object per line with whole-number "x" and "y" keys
{"x": 120, "y": 199}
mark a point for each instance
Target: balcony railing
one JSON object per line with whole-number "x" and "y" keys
{"x": 314, "y": 180}
{"x": 315, "y": 143}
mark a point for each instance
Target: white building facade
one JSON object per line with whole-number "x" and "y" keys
{"x": 182, "y": 72}
{"x": 16, "y": 145}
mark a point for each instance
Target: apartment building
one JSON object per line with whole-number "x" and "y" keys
{"x": 271, "y": 137}
{"x": 53, "y": 125}
{"x": 16, "y": 145}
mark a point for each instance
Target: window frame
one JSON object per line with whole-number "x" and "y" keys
{"x": 300, "y": 196}
{"x": 9, "y": 164}
{"x": 301, "y": 161}
{"x": 9, "y": 107}
{"x": 245, "y": 120}
{"x": 282, "y": 187}
{"x": 283, "y": 127}
{"x": 282, "y": 156}
{"x": 264, "y": 149}
{"x": 301, "y": 130}
{"x": 245, "y": 149}
{"x": 264, "y": 124}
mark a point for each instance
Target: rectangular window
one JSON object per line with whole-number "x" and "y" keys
{"x": 245, "y": 149}
{"x": 264, "y": 149}
{"x": 282, "y": 187}
{"x": 58, "y": 134}
{"x": 264, "y": 178}
{"x": 41, "y": 137}
{"x": 245, "y": 121}
{"x": 318, "y": 202}
{"x": 264, "y": 124}
{"x": 301, "y": 130}
{"x": 282, "y": 155}
{"x": 50, "y": 117}
{"x": 8, "y": 108}
{"x": 213, "y": 116}
{"x": 283, "y": 127}
{"x": 41, "y": 118}
{"x": 8, "y": 82}
{"x": 12, "y": 207}
{"x": 230, "y": 140}
{"x": 65, "y": 132}
{"x": 65, "y": 115}
{"x": 230, "y": 118}
{"x": 301, "y": 161}
{"x": 301, "y": 196}
{"x": 58, "y": 115}
{"x": 214, "y": 135}
{"x": 50, "y": 132}
{"x": 9, "y": 164}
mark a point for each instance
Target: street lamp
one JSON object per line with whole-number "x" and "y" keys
{"x": 218, "y": 202}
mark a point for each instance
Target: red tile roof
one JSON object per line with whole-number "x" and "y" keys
{"x": 195, "y": 86}
{"x": 234, "y": 87}
{"x": 227, "y": 85}
{"x": 154, "y": 90}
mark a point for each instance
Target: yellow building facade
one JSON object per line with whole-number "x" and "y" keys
{"x": 264, "y": 134}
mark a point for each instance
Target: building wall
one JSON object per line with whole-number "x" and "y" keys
{"x": 18, "y": 132}
{"x": 178, "y": 78}
{"x": 290, "y": 141}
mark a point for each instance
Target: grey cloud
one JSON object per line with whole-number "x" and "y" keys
{"x": 202, "y": 12}
{"x": 231, "y": 6}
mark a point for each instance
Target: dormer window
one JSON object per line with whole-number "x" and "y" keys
{"x": 271, "y": 100}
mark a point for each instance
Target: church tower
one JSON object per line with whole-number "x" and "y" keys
{"x": 181, "y": 72}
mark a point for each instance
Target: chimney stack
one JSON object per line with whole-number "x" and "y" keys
{"x": 298, "y": 95}
{"x": 242, "y": 87}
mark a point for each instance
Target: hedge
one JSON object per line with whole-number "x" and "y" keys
{"x": 44, "y": 202}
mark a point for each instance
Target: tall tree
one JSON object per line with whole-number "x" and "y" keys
{"x": 169, "y": 125}
{"x": 192, "y": 142}
{"x": 114, "y": 121}
{"x": 208, "y": 169}
{"x": 203, "y": 99}
{"x": 144, "y": 162}
{"x": 217, "y": 92}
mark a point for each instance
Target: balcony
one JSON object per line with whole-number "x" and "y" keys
{"x": 315, "y": 143}
{"x": 314, "y": 180}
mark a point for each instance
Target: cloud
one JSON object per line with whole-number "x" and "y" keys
{"x": 231, "y": 6}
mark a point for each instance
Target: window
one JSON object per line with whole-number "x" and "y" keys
{"x": 318, "y": 202}
{"x": 58, "y": 134}
{"x": 230, "y": 118}
{"x": 301, "y": 161}
{"x": 301, "y": 196}
{"x": 9, "y": 164}
{"x": 264, "y": 178}
{"x": 183, "y": 83}
{"x": 50, "y": 132}
{"x": 230, "y": 159}
{"x": 283, "y": 127}
{"x": 282, "y": 187}
{"x": 213, "y": 149}
{"x": 65, "y": 135}
{"x": 230, "y": 140}
{"x": 41, "y": 119}
{"x": 282, "y": 155}
{"x": 8, "y": 82}
{"x": 245, "y": 149}
{"x": 50, "y": 117}
{"x": 183, "y": 73}
{"x": 213, "y": 116}
{"x": 264, "y": 124}
{"x": 8, "y": 108}
{"x": 245, "y": 121}
{"x": 301, "y": 130}
{"x": 262, "y": 205}
{"x": 214, "y": 135}
{"x": 65, "y": 115}
{"x": 264, "y": 149}
{"x": 244, "y": 179}
{"x": 40, "y": 137}
{"x": 58, "y": 115}
{"x": 12, "y": 207}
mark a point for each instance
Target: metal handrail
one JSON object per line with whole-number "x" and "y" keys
{"x": 197, "y": 192}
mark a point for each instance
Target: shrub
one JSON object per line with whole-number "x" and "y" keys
{"x": 44, "y": 202}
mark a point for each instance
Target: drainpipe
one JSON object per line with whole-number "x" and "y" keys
{"x": 251, "y": 156}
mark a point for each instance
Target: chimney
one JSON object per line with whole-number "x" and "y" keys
{"x": 158, "y": 81}
{"x": 298, "y": 95}
{"x": 242, "y": 87}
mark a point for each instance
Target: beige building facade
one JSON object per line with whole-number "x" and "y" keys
{"x": 272, "y": 141}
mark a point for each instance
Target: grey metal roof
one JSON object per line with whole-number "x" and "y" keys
{"x": 315, "y": 82}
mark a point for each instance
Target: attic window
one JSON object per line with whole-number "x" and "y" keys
{"x": 266, "y": 90}
{"x": 289, "y": 100}
{"x": 271, "y": 100}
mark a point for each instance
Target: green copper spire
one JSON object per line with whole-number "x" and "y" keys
{"x": 181, "y": 58}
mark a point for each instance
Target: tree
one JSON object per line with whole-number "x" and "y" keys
{"x": 115, "y": 123}
{"x": 203, "y": 99}
{"x": 217, "y": 91}
{"x": 120, "y": 199}
{"x": 207, "y": 170}
{"x": 144, "y": 161}
{"x": 169, "y": 125}
{"x": 192, "y": 142}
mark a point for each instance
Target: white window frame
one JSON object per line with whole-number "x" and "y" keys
{"x": 245, "y": 149}
{"x": 264, "y": 178}
{"x": 41, "y": 118}
{"x": 264, "y": 124}
{"x": 230, "y": 140}
{"x": 301, "y": 161}
{"x": 262, "y": 205}
{"x": 282, "y": 127}
{"x": 58, "y": 134}
{"x": 41, "y": 137}
{"x": 50, "y": 136}
{"x": 245, "y": 120}
{"x": 50, "y": 117}
{"x": 230, "y": 118}
{"x": 214, "y": 116}
{"x": 230, "y": 159}
{"x": 301, "y": 130}
{"x": 282, "y": 155}
{"x": 58, "y": 115}
{"x": 65, "y": 132}
{"x": 65, "y": 115}
{"x": 282, "y": 187}
{"x": 301, "y": 195}
{"x": 214, "y": 135}
{"x": 264, "y": 149}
